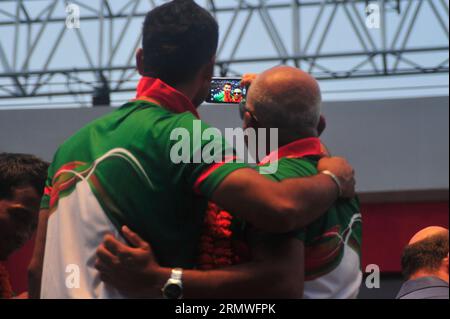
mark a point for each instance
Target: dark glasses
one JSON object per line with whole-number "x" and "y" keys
{"x": 243, "y": 109}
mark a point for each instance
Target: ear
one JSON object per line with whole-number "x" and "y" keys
{"x": 322, "y": 125}
{"x": 140, "y": 61}
{"x": 247, "y": 120}
{"x": 208, "y": 70}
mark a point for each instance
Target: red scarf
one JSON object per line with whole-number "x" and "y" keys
{"x": 156, "y": 91}
{"x": 301, "y": 148}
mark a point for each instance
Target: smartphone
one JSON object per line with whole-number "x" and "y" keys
{"x": 226, "y": 91}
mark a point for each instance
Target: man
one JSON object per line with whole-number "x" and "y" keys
{"x": 237, "y": 96}
{"x": 325, "y": 254}
{"x": 225, "y": 96}
{"x": 119, "y": 170}
{"x": 425, "y": 265}
{"x": 22, "y": 179}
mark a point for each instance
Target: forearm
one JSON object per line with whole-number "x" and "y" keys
{"x": 276, "y": 271}
{"x": 247, "y": 281}
{"x": 276, "y": 207}
{"x": 251, "y": 280}
{"x": 295, "y": 203}
{"x": 313, "y": 196}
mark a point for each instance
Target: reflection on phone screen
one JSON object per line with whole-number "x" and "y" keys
{"x": 226, "y": 90}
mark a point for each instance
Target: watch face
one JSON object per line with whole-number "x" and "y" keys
{"x": 172, "y": 291}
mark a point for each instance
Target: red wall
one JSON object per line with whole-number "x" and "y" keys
{"x": 17, "y": 266}
{"x": 387, "y": 229}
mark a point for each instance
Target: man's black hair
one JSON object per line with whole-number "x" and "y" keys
{"x": 21, "y": 170}
{"x": 179, "y": 37}
{"x": 426, "y": 255}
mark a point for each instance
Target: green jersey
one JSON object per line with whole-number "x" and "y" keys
{"x": 120, "y": 170}
{"x": 333, "y": 241}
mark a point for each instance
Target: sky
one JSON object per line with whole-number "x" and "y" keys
{"x": 253, "y": 42}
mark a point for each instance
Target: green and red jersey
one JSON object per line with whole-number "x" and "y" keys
{"x": 118, "y": 171}
{"x": 333, "y": 241}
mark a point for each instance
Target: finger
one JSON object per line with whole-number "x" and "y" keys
{"x": 246, "y": 82}
{"x": 109, "y": 244}
{"x": 133, "y": 238}
{"x": 247, "y": 79}
{"x": 123, "y": 254}
{"x": 106, "y": 257}
{"x": 102, "y": 267}
{"x": 127, "y": 258}
{"x": 115, "y": 246}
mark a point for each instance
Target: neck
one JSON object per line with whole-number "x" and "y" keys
{"x": 282, "y": 141}
{"x": 288, "y": 138}
{"x": 187, "y": 89}
{"x": 424, "y": 273}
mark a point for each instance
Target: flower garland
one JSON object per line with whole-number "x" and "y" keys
{"x": 6, "y": 291}
{"x": 219, "y": 248}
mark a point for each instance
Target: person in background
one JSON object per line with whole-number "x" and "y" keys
{"x": 22, "y": 179}
{"x": 425, "y": 265}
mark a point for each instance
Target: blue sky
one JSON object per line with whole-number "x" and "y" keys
{"x": 255, "y": 42}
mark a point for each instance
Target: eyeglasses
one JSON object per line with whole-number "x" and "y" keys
{"x": 237, "y": 93}
{"x": 244, "y": 109}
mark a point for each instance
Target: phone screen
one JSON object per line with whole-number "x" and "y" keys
{"x": 226, "y": 90}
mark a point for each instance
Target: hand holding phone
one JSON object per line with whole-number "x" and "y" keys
{"x": 247, "y": 79}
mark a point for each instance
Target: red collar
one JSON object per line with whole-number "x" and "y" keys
{"x": 300, "y": 148}
{"x": 154, "y": 90}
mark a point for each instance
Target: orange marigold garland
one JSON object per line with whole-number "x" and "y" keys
{"x": 219, "y": 247}
{"x": 6, "y": 291}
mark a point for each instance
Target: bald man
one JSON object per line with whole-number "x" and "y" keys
{"x": 425, "y": 265}
{"x": 290, "y": 100}
{"x": 319, "y": 261}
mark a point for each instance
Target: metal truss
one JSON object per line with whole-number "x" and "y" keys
{"x": 41, "y": 56}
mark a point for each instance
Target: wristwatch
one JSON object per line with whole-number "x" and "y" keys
{"x": 173, "y": 289}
